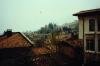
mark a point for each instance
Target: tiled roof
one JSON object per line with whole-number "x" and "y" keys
{"x": 17, "y": 39}
{"x": 26, "y": 38}
{"x": 40, "y": 51}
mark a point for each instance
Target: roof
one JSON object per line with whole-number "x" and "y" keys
{"x": 40, "y": 51}
{"x": 16, "y": 39}
{"x": 26, "y": 38}
{"x": 88, "y": 12}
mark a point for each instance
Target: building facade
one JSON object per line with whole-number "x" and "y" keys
{"x": 89, "y": 29}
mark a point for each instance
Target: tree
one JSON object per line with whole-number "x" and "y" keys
{"x": 47, "y": 29}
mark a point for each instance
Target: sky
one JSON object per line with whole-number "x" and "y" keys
{"x": 31, "y": 15}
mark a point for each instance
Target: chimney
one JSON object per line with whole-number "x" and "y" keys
{"x": 8, "y": 33}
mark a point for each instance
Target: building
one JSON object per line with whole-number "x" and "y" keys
{"x": 15, "y": 49}
{"x": 14, "y": 39}
{"x": 89, "y": 31}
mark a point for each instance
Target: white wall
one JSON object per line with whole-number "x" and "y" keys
{"x": 80, "y": 28}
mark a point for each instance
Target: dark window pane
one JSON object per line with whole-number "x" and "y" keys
{"x": 98, "y": 24}
{"x": 91, "y": 25}
{"x": 99, "y": 44}
{"x": 90, "y": 44}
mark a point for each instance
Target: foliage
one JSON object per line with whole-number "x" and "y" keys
{"x": 52, "y": 28}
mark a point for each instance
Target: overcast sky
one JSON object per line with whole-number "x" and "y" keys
{"x": 23, "y": 15}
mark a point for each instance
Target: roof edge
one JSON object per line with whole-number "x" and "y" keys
{"x": 32, "y": 43}
{"x": 86, "y": 11}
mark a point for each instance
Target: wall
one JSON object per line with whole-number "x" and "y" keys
{"x": 80, "y": 28}
{"x": 16, "y": 57}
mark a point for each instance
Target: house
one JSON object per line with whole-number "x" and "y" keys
{"x": 89, "y": 32}
{"x": 15, "y": 49}
{"x": 14, "y": 39}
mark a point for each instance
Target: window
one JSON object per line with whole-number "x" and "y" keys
{"x": 91, "y": 25}
{"x": 90, "y": 44}
{"x": 98, "y": 22}
{"x": 99, "y": 44}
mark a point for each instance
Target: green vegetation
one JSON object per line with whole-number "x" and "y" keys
{"x": 51, "y": 28}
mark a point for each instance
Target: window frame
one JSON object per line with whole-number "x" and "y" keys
{"x": 90, "y": 37}
{"x": 92, "y": 25}
{"x": 90, "y": 46}
{"x": 98, "y": 39}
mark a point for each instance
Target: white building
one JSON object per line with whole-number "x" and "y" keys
{"x": 89, "y": 29}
